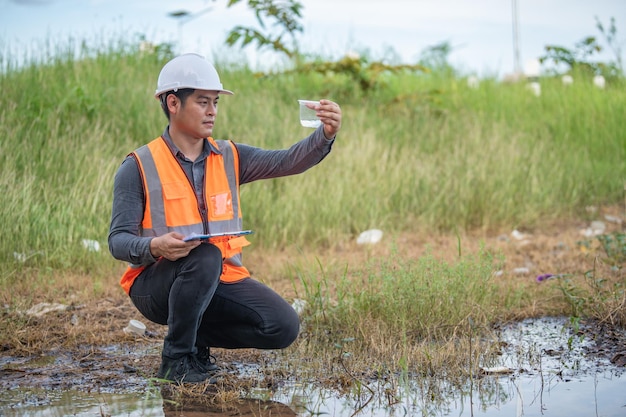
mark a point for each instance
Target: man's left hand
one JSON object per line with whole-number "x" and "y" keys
{"x": 330, "y": 114}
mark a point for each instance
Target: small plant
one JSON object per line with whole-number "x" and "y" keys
{"x": 285, "y": 14}
{"x": 610, "y": 36}
{"x": 579, "y": 59}
{"x": 614, "y": 246}
{"x": 574, "y": 323}
{"x": 573, "y": 296}
{"x": 368, "y": 75}
{"x": 597, "y": 297}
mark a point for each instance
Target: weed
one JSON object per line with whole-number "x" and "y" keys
{"x": 598, "y": 296}
{"x": 614, "y": 246}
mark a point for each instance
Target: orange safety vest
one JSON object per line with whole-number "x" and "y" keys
{"x": 171, "y": 203}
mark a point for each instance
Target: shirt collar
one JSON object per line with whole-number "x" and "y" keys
{"x": 208, "y": 146}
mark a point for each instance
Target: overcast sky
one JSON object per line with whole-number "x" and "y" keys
{"x": 479, "y": 31}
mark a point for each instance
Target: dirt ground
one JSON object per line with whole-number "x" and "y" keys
{"x": 83, "y": 346}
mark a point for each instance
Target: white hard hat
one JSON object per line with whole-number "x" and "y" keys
{"x": 189, "y": 71}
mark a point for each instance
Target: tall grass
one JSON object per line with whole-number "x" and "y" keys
{"x": 419, "y": 151}
{"x": 426, "y": 316}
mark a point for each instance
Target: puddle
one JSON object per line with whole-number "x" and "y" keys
{"x": 48, "y": 403}
{"x": 545, "y": 370}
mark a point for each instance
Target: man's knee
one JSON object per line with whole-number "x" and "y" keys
{"x": 289, "y": 327}
{"x": 207, "y": 252}
{"x": 206, "y": 257}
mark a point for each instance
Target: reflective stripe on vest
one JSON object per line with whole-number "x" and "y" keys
{"x": 171, "y": 203}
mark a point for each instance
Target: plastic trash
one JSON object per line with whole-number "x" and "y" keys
{"x": 546, "y": 277}
{"x": 91, "y": 245}
{"x": 599, "y": 81}
{"x": 371, "y": 236}
{"x": 41, "y": 309}
{"x": 612, "y": 219}
{"x": 598, "y": 226}
{"x": 23, "y": 257}
{"x": 135, "y": 328}
{"x": 496, "y": 370}
{"x": 535, "y": 87}
{"x": 517, "y": 235}
{"x": 473, "y": 82}
{"x": 299, "y": 305}
{"x": 595, "y": 228}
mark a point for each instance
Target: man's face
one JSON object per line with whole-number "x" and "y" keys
{"x": 197, "y": 116}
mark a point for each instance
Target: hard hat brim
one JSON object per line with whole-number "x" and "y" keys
{"x": 158, "y": 93}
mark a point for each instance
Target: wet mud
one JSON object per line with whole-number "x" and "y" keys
{"x": 83, "y": 347}
{"x": 132, "y": 366}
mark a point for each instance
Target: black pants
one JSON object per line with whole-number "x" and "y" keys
{"x": 199, "y": 310}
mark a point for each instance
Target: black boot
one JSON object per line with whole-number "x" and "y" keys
{"x": 206, "y": 360}
{"x": 183, "y": 369}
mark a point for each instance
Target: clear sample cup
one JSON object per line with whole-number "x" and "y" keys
{"x": 308, "y": 118}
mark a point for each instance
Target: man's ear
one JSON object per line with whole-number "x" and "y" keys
{"x": 172, "y": 103}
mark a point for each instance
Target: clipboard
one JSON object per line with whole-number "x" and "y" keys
{"x": 194, "y": 236}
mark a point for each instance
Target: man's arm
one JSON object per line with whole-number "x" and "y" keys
{"x": 256, "y": 163}
{"x": 125, "y": 243}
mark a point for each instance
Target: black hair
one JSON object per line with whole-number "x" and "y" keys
{"x": 182, "y": 95}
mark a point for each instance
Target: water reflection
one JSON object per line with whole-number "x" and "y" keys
{"x": 242, "y": 407}
{"x": 542, "y": 394}
{"x": 53, "y": 403}
{"x": 42, "y": 403}
{"x": 546, "y": 395}
{"x": 551, "y": 377}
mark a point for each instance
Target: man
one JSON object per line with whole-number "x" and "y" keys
{"x": 185, "y": 182}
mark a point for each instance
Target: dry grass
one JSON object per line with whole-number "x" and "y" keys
{"x": 97, "y": 311}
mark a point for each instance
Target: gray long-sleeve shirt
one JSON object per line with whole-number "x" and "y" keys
{"x": 126, "y": 244}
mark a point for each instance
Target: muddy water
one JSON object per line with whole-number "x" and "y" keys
{"x": 545, "y": 369}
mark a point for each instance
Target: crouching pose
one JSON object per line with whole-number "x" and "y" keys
{"x": 184, "y": 182}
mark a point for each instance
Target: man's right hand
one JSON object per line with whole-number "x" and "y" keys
{"x": 171, "y": 246}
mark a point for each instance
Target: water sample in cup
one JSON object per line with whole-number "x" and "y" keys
{"x": 308, "y": 117}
